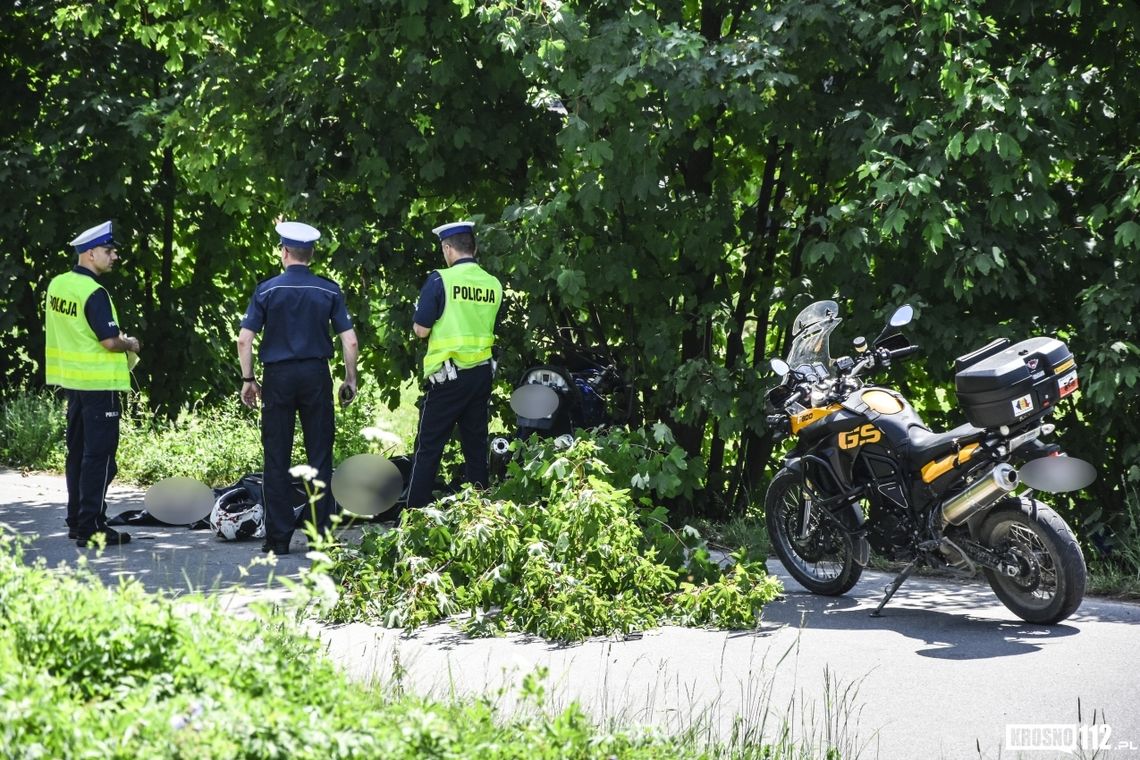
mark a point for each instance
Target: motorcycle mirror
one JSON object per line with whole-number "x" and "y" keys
{"x": 534, "y": 401}
{"x": 179, "y": 501}
{"x": 367, "y": 485}
{"x": 781, "y": 367}
{"x": 1059, "y": 474}
{"x": 902, "y": 316}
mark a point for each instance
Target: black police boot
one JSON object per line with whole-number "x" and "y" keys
{"x": 113, "y": 538}
{"x": 277, "y": 547}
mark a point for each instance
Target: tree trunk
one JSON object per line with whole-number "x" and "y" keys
{"x": 756, "y": 265}
{"x": 167, "y": 190}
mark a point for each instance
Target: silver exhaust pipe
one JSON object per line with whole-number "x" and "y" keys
{"x": 980, "y": 495}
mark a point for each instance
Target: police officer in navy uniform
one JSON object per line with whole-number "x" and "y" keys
{"x": 87, "y": 354}
{"x": 457, "y": 313}
{"x": 295, "y": 309}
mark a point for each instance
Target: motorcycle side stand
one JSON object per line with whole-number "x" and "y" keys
{"x": 899, "y": 580}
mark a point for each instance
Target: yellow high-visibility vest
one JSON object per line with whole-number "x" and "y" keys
{"x": 75, "y": 358}
{"x": 465, "y": 332}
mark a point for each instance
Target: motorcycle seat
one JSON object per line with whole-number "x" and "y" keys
{"x": 926, "y": 446}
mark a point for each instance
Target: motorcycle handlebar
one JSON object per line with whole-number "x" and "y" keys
{"x": 882, "y": 357}
{"x": 900, "y": 353}
{"x": 801, "y": 393}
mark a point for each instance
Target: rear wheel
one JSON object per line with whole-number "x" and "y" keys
{"x": 1046, "y": 579}
{"x": 820, "y": 556}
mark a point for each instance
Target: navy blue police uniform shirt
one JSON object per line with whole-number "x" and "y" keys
{"x": 295, "y": 309}
{"x": 98, "y": 310}
{"x": 430, "y": 306}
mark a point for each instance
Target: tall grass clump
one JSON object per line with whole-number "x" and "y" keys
{"x": 215, "y": 445}
{"x": 31, "y": 431}
{"x": 1117, "y": 571}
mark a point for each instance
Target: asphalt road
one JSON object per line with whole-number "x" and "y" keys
{"x": 946, "y": 672}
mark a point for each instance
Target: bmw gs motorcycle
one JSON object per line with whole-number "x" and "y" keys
{"x": 866, "y": 472}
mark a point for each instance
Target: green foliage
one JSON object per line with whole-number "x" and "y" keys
{"x": 747, "y": 534}
{"x": 31, "y": 431}
{"x": 648, "y": 462}
{"x": 674, "y": 182}
{"x": 88, "y": 670}
{"x": 734, "y": 602}
{"x": 557, "y": 550}
{"x": 215, "y": 445}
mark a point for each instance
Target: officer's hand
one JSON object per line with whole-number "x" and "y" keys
{"x": 250, "y": 394}
{"x": 347, "y": 392}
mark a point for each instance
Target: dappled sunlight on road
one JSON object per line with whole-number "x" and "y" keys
{"x": 161, "y": 558}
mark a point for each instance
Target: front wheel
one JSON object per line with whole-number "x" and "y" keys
{"x": 1046, "y": 576}
{"x": 820, "y": 556}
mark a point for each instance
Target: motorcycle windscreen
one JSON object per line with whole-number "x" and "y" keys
{"x": 534, "y": 402}
{"x": 1058, "y": 474}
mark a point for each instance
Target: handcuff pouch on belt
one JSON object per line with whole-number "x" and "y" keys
{"x": 445, "y": 373}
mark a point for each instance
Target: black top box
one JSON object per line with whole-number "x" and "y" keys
{"x": 1016, "y": 385}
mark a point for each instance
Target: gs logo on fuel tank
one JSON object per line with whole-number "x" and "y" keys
{"x": 855, "y": 438}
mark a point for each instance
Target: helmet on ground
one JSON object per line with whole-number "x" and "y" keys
{"x": 236, "y": 515}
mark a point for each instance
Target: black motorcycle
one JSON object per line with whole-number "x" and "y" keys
{"x": 866, "y": 472}
{"x": 580, "y": 389}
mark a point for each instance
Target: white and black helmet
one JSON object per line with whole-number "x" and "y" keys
{"x": 237, "y": 515}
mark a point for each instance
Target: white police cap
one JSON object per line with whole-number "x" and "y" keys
{"x": 455, "y": 228}
{"x": 98, "y": 235}
{"x": 298, "y": 234}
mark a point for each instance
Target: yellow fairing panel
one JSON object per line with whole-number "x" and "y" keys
{"x": 803, "y": 419}
{"x": 936, "y": 469}
{"x": 882, "y": 402}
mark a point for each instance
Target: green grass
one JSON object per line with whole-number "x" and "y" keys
{"x": 748, "y": 533}
{"x": 31, "y": 431}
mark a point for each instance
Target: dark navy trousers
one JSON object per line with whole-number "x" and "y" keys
{"x": 92, "y": 440}
{"x": 465, "y": 401}
{"x": 290, "y": 389}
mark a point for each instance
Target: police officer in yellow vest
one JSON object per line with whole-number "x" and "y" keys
{"x": 86, "y": 353}
{"x": 456, "y": 313}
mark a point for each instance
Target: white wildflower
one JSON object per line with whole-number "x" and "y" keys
{"x": 381, "y": 436}
{"x": 303, "y": 471}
